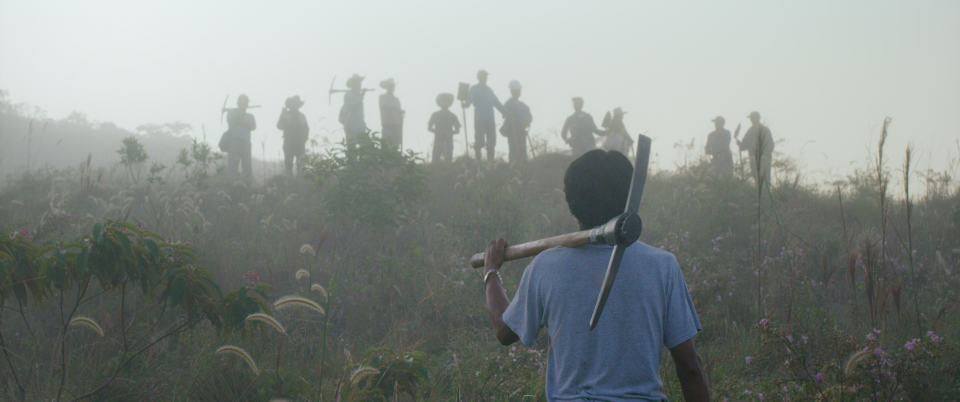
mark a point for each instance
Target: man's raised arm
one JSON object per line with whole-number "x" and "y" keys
{"x": 497, "y": 301}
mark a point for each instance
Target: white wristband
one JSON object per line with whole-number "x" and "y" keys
{"x": 487, "y": 276}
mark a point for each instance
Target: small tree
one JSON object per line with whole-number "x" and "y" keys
{"x": 371, "y": 182}
{"x": 132, "y": 154}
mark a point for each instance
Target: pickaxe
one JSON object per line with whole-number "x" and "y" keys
{"x": 225, "y": 109}
{"x": 334, "y": 91}
{"x": 620, "y": 232}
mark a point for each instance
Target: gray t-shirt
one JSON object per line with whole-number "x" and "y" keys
{"x": 649, "y": 307}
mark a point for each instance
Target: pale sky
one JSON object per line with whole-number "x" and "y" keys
{"x": 823, "y": 74}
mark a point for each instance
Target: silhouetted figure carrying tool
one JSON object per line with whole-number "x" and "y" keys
{"x": 462, "y": 90}
{"x": 757, "y": 141}
{"x": 351, "y": 113}
{"x": 516, "y": 123}
{"x": 649, "y": 307}
{"x": 236, "y": 140}
{"x": 484, "y": 124}
{"x": 296, "y": 131}
{"x": 718, "y": 147}
{"x": 581, "y": 128}
{"x": 617, "y": 138}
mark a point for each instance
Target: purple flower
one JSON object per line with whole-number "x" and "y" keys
{"x": 764, "y": 322}
{"x": 26, "y": 233}
{"x": 804, "y": 337}
{"x": 818, "y": 377}
{"x": 789, "y": 338}
{"x": 911, "y": 345}
{"x": 933, "y": 337}
{"x": 749, "y": 359}
{"x": 718, "y": 297}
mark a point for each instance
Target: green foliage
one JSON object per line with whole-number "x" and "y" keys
{"x": 115, "y": 254}
{"x": 198, "y": 162}
{"x": 373, "y": 182}
{"x": 397, "y": 372}
{"x": 132, "y": 152}
{"x": 413, "y": 290}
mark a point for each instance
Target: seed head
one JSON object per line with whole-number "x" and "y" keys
{"x": 86, "y": 322}
{"x": 243, "y": 355}
{"x": 291, "y": 300}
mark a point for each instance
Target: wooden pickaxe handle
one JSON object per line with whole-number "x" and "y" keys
{"x": 623, "y": 229}
{"x": 530, "y": 249}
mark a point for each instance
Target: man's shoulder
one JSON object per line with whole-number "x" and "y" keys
{"x": 639, "y": 252}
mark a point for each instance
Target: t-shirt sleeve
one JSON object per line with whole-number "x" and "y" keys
{"x": 525, "y": 313}
{"x": 681, "y": 322}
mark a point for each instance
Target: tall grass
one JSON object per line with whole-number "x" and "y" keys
{"x": 400, "y": 290}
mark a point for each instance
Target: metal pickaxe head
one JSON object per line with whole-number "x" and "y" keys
{"x": 224, "y": 108}
{"x": 637, "y": 183}
{"x": 330, "y": 94}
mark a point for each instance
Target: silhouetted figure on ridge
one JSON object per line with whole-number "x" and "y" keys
{"x": 295, "y": 134}
{"x": 516, "y": 123}
{"x": 240, "y": 124}
{"x": 581, "y": 128}
{"x": 718, "y": 147}
{"x": 443, "y": 124}
{"x": 758, "y": 136}
{"x": 391, "y": 115}
{"x": 351, "y": 114}
{"x": 485, "y": 127}
{"x": 617, "y": 138}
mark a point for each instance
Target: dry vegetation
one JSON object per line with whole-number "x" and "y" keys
{"x": 134, "y": 283}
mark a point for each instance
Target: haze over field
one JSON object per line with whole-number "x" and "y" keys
{"x": 822, "y": 74}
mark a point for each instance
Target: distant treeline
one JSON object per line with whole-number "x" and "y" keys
{"x": 30, "y": 140}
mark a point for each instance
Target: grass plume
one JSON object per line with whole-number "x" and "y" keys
{"x": 302, "y": 273}
{"x": 307, "y": 249}
{"x": 852, "y": 362}
{"x": 318, "y": 288}
{"x": 87, "y": 322}
{"x": 270, "y": 321}
{"x": 292, "y": 300}
{"x": 362, "y": 372}
{"x": 243, "y": 355}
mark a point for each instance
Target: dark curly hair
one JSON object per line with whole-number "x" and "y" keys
{"x": 596, "y": 187}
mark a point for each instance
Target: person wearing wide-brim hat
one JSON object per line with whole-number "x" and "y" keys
{"x": 617, "y": 138}
{"x": 295, "y": 133}
{"x": 444, "y": 125}
{"x": 758, "y": 136}
{"x": 391, "y": 114}
{"x": 718, "y": 148}
{"x": 351, "y": 114}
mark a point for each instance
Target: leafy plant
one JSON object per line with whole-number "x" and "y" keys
{"x": 372, "y": 182}
{"x": 395, "y": 373}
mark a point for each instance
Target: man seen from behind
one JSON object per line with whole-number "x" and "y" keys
{"x": 649, "y": 308}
